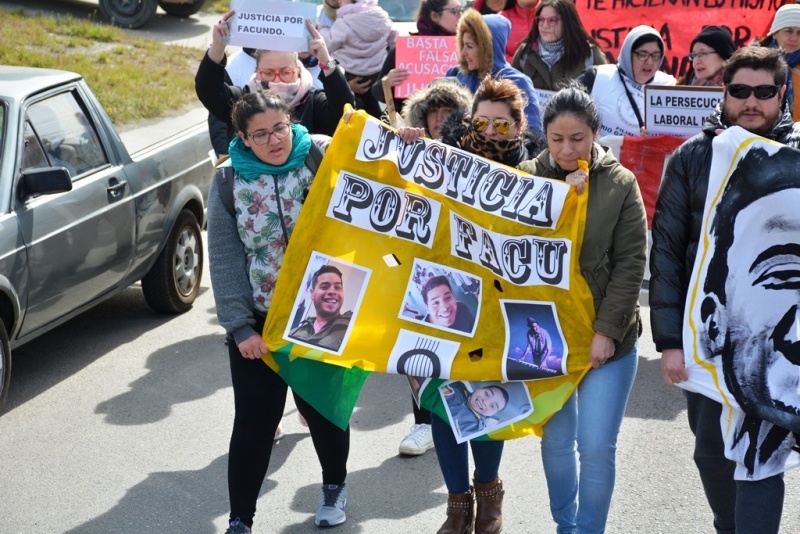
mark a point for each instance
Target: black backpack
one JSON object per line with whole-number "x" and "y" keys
{"x": 225, "y": 178}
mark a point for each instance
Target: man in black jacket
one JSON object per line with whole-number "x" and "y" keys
{"x": 744, "y": 506}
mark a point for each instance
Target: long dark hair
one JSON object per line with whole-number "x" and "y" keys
{"x": 429, "y": 7}
{"x": 576, "y": 38}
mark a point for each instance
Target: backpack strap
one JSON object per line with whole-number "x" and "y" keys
{"x": 224, "y": 177}
{"x": 314, "y": 158}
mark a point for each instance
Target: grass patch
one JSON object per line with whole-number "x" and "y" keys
{"x": 217, "y": 6}
{"x": 133, "y": 78}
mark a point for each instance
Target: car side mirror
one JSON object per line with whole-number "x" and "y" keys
{"x": 44, "y": 181}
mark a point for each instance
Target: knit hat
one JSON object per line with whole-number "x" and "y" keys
{"x": 717, "y": 37}
{"x": 788, "y": 16}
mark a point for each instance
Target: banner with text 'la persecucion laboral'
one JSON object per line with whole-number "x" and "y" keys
{"x": 678, "y": 21}
{"x": 436, "y": 263}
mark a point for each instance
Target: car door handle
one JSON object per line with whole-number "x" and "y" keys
{"x": 116, "y": 189}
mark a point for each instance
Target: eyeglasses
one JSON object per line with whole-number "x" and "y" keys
{"x": 644, "y": 56}
{"x": 455, "y": 10}
{"x": 700, "y": 55}
{"x": 501, "y": 126}
{"x": 762, "y": 92}
{"x": 262, "y": 137}
{"x": 547, "y": 22}
{"x": 285, "y": 75}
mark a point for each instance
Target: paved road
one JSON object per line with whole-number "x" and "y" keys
{"x": 119, "y": 421}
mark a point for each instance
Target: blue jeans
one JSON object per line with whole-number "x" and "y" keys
{"x": 739, "y": 506}
{"x": 591, "y": 418}
{"x": 454, "y": 457}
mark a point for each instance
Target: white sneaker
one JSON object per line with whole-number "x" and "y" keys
{"x": 332, "y": 506}
{"x": 419, "y": 440}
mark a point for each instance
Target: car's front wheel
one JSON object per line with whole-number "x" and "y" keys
{"x": 5, "y": 365}
{"x": 174, "y": 281}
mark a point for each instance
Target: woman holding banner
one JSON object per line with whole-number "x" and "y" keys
{"x": 618, "y": 90}
{"x": 481, "y": 52}
{"x": 244, "y": 197}
{"x": 612, "y": 259}
{"x": 558, "y": 47}
{"x": 496, "y": 129}
{"x": 319, "y": 110}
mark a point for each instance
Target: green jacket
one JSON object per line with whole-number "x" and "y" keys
{"x": 529, "y": 62}
{"x": 614, "y": 251}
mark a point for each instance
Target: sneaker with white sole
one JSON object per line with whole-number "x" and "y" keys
{"x": 237, "y": 527}
{"x": 418, "y": 441}
{"x": 331, "y": 511}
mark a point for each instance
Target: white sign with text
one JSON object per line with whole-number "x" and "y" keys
{"x": 271, "y": 24}
{"x": 678, "y": 110}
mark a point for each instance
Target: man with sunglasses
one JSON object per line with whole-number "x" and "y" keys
{"x": 754, "y": 80}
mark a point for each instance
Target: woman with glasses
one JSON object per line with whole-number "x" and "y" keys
{"x": 618, "y": 90}
{"x": 708, "y": 52}
{"x": 481, "y": 52}
{"x": 785, "y": 34}
{"x": 558, "y": 47}
{"x": 319, "y": 110}
{"x": 612, "y": 259}
{"x": 496, "y": 129}
{"x": 435, "y": 18}
{"x": 266, "y": 178}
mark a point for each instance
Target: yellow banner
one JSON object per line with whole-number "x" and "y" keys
{"x": 426, "y": 260}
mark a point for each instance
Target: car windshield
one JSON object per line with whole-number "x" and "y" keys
{"x": 399, "y": 10}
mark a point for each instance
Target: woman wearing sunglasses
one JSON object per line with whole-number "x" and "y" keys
{"x": 785, "y": 34}
{"x": 558, "y": 47}
{"x": 481, "y": 52}
{"x": 319, "y": 110}
{"x": 618, "y": 90}
{"x": 708, "y": 52}
{"x": 497, "y": 130}
{"x": 612, "y": 259}
{"x": 435, "y": 18}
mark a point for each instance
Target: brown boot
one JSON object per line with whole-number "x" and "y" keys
{"x": 459, "y": 514}
{"x": 489, "y": 516}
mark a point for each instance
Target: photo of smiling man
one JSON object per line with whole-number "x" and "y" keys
{"x": 319, "y": 317}
{"x": 477, "y": 408}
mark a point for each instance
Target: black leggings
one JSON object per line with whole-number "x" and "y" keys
{"x": 260, "y": 395}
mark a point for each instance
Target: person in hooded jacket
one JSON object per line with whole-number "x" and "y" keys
{"x": 612, "y": 260}
{"x": 429, "y": 107}
{"x": 481, "y": 51}
{"x": 618, "y": 90}
{"x": 558, "y": 47}
{"x": 281, "y": 72}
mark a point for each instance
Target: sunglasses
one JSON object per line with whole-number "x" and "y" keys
{"x": 547, "y": 22}
{"x": 762, "y": 92}
{"x": 501, "y": 126}
{"x": 455, "y": 10}
{"x": 285, "y": 75}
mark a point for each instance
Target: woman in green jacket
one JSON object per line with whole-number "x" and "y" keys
{"x": 612, "y": 259}
{"x": 558, "y": 48}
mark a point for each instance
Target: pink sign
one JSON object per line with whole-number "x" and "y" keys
{"x": 426, "y": 58}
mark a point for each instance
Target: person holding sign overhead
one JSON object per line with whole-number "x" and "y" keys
{"x": 709, "y": 51}
{"x": 558, "y": 47}
{"x": 618, "y": 90}
{"x": 612, "y": 259}
{"x": 319, "y": 110}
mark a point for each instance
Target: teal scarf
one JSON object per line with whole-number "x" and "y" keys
{"x": 249, "y": 167}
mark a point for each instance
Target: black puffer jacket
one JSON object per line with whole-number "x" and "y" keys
{"x": 455, "y": 127}
{"x": 678, "y": 221}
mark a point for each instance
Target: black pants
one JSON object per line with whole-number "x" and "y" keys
{"x": 421, "y": 415}
{"x": 259, "y": 396}
{"x": 739, "y": 506}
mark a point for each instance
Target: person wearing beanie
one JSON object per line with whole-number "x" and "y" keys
{"x": 618, "y": 90}
{"x": 785, "y": 34}
{"x": 708, "y": 52}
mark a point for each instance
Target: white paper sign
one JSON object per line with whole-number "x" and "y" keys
{"x": 271, "y": 24}
{"x": 678, "y": 110}
{"x": 544, "y": 97}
